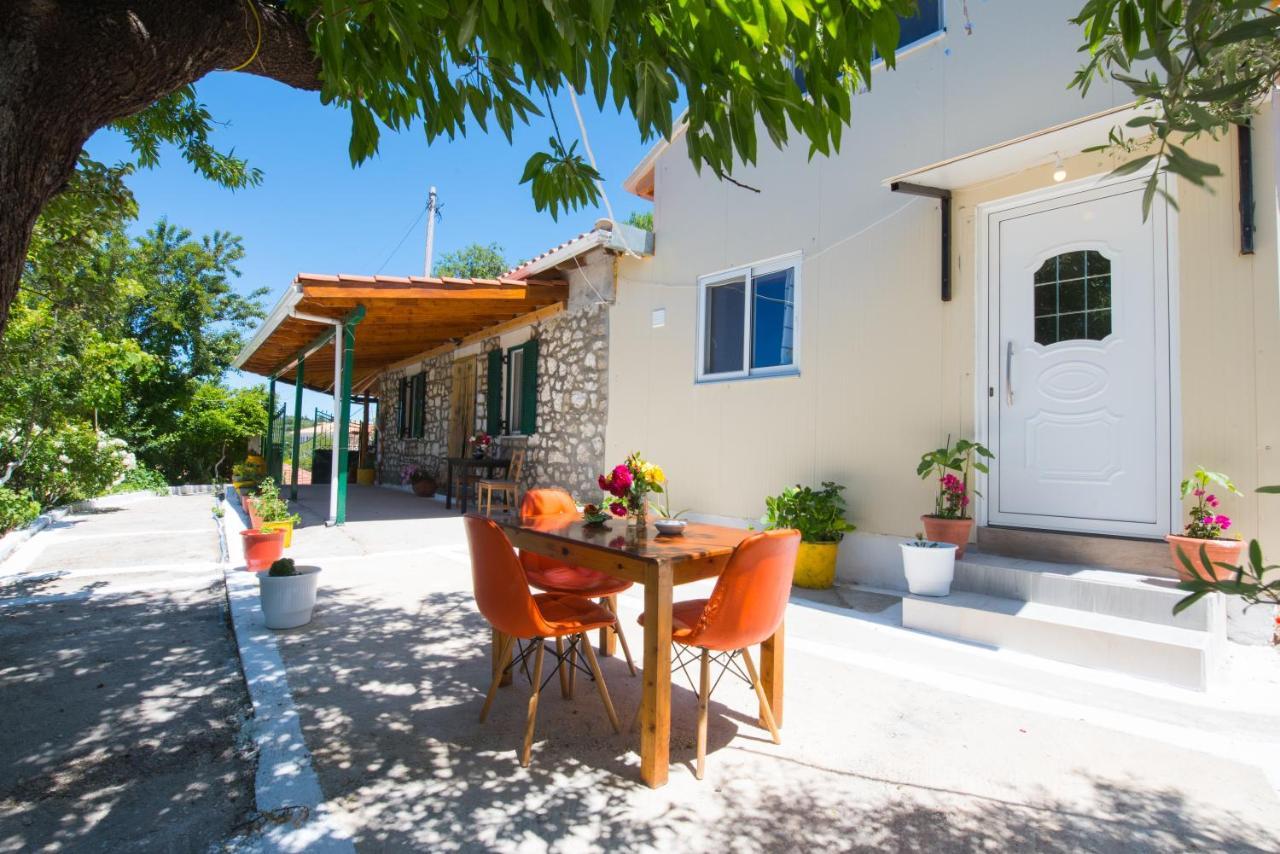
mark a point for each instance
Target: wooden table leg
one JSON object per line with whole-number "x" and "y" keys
{"x": 655, "y": 704}
{"x": 609, "y": 639}
{"x": 497, "y": 654}
{"x": 448, "y": 488}
{"x": 771, "y": 654}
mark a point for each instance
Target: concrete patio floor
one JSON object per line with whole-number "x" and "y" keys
{"x": 892, "y": 740}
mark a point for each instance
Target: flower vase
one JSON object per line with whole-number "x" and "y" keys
{"x": 636, "y": 519}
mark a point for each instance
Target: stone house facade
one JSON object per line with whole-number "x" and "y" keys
{"x": 566, "y": 447}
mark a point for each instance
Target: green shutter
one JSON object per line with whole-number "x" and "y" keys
{"x": 417, "y": 405}
{"x": 403, "y": 407}
{"x": 529, "y": 389}
{"x": 493, "y": 394}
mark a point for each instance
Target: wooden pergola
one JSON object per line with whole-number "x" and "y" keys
{"x": 339, "y": 333}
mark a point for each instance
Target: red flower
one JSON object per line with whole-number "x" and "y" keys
{"x": 617, "y": 509}
{"x": 604, "y": 484}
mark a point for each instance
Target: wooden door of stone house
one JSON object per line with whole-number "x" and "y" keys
{"x": 462, "y": 405}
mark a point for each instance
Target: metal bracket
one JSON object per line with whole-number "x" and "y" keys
{"x": 943, "y": 196}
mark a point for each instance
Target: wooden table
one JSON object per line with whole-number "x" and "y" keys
{"x": 465, "y": 464}
{"x": 658, "y": 563}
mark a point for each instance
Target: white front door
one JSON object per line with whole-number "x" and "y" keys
{"x": 1079, "y": 398}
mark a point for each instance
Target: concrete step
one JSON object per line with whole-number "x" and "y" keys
{"x": 1177, "y": 656}
{"x": 1086, "y": 588}
{"x": 1127, "y": 554}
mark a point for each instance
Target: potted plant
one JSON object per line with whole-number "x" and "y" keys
{"x": 288, "y": 594}
{"x": 272, "y": 511}
{"x": 244, "y": 476}
{"x": 261, "y": 548}
{"x": 950, "y": 521}
{"x": 1204, "y": 529}
{"x": 593, "y": 515}
{"x": 628, "y": 486}
{"x": 929, "y": 566}
{"x": 423, "y": 481}
{"x": 819, "y": 517}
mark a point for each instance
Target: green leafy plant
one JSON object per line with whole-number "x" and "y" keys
{"x": 1248, "y": 582}
{"x": 952, "y": 501}
{"x": 476, "y": 261}
{"x": 818, "y": 514}
{"x": 921, "y": 543}
{"x": 283, "y": 568}
{"x": 1201, "y": 66}
{"x": 1203, "y": 523}
{"x": 270, "y": 506}
{"x": 664, "y": 509}
{"x": 16, "y": 509}
{"x": 141, "y": 478}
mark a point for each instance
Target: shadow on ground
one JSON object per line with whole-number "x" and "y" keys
{"x": 389, "y": 696}
{"x": 119, "y": 722}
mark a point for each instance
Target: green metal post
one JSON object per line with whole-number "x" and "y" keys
{"x": 297, "y": 431}
{"x": 271, "y": 418}
{"x": 343, "y": 419}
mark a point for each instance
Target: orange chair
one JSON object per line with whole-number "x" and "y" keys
{"x": 503, "y": 597}
{"x": 746, "y": 607}
{"x": 549, "y": 575}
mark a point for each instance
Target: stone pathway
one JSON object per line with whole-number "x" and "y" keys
{"x": 123, "y": 698}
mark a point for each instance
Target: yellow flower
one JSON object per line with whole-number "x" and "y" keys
{"x": 656, "y": 474}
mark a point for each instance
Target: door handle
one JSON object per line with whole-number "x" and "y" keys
{"x": 1008, "y": 371}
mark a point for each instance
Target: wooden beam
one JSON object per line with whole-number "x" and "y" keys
{"x": 488, "y": 332}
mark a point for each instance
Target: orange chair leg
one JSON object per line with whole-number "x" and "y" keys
{"x": 704, "y": 702}
{"x": 765, "y": 709}
{"x": 527, "y": 752}
{"x": 504, "y": 648}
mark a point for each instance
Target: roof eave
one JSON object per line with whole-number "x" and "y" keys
{"x": 283, "y": 309}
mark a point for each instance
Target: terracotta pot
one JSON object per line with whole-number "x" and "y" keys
{"x": 262, "y": 548}
{"x": 365, "y": 477}
{"x": 955, "y": 531}
{"x": 1219, "y": 551}
{"x": 425, "y": 488}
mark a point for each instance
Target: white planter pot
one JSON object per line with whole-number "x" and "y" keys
{"x": 929, "y": 570}
{"x": 287, "y": 601}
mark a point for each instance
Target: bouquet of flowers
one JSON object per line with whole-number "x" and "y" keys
{"x": 628, "y": 485}
{"x": 481, "y": 442}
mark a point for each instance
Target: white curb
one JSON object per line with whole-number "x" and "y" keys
{"x": 285, "y": 776}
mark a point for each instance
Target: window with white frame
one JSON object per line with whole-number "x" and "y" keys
{"x": 748, "y": 320}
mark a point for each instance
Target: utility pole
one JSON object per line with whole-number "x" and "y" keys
{"x": 431, "y": 230}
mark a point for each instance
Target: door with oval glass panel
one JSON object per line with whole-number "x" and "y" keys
{"x": 1080, "y": 396}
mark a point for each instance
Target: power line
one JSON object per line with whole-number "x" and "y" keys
{"x": 403, "y": 238}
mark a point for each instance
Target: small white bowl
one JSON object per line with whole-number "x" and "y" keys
{"x": 670, "y": 527}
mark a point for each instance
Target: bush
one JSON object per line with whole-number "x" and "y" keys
{"x": 16, "y": 509}
{"x": 70, "y": 463}
{"x": 142, "y": 478}
{"x": 817, "y": 514}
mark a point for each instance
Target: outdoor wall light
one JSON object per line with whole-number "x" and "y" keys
{"x": 1059, "y": 171}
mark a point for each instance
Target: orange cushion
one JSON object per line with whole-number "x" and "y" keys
{"x": 580, "y": 581}
{"x": 684, "y": 617}
{"x": 569, "y": 615}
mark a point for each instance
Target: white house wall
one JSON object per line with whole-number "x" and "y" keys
{"x": 887, "y": 368}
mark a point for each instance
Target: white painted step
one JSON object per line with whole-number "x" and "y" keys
{"x": 1085, "y": 588}
{"x": 1175, "y": 656}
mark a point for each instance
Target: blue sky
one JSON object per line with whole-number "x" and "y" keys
{"x": 314, "y": 212}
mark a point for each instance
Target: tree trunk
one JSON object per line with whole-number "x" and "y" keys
{"x": 69, "y": 69}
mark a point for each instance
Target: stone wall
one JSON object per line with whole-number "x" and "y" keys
{"x": 573, "y": 402}
{"x": 567, "y": 449}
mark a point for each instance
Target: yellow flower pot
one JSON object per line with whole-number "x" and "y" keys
{"x": 816, "y": 565}
{"x": 364, "y": 477}
{"x": 286, "y": 526}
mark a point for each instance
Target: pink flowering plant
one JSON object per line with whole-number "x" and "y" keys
{"x": 951, "y": 466}
{"x": 628, "y": 484}
{"x": 1204, "y": 522}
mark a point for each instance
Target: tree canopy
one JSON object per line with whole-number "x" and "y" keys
{"x": 443, "y": 66}
{"x": 476, "y": 261}
{"x": 1203, "y": 65}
